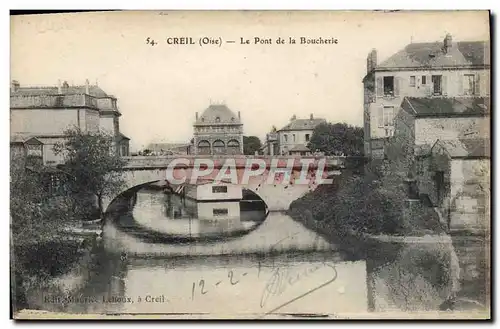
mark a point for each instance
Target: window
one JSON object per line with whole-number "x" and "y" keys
{"x": 424, "y": 80}
{"x": 220, "y": 211}
{"x": 436, "y": 81}
{"x": 388, "y": 86}
{"x": 294, "y": 138}
{"x": 469, "y": 84}
{"x": 412, "y": 81}
{"x": 34, "y": 150}
{"x": 219, "y": 189}
{"x": 285, "y": 137}
{"x": 307, "y": 137}
{"x": 386, "y": 117}
{"x": 219, "y": 147}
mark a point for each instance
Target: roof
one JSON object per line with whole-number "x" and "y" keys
{"x": 303, "y": 124}
{"x": 477, "y": 147}
{"x": 166, "y": 146}
{"x": 446, "y": 107}
{"x": 300, "y": 148}
{"x": 44, "y": 139}
{"x": 218, "y": 114}
{"x": 94, "y": 90}
{"x": 122, "y": 136}
{"x": 432, "y": 54}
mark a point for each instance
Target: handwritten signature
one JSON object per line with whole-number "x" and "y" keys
{"x": 284, "y": 278}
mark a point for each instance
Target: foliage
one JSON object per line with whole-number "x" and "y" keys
{"x": 372, "y": 203}
{"x": 35, "y": 214}
{"x": 146, "y": 152}
{"x": 36, "y": 218}
{"x": 93, "y": 163}
{"x": 251, "y": 144}
{"x": 338, "y": 138}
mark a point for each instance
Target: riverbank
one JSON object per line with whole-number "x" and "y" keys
{"x": 415, "y": 273}
{"x": 59, "y": 266}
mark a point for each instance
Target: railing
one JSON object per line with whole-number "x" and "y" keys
{"x": 240, "y": 160}
{"x": 216, "y": 157}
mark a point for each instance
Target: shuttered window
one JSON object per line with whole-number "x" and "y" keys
{"x": 469, "y": 84}
{"x": 385, "y": 116}
{"x": 437, "y": 84}
{"x": 412, "y": 81}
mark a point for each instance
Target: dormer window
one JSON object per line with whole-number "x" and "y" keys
{"x": 217, "y": 119}
{"x": 202, "y": 119}
{"x": 232, "y": 119}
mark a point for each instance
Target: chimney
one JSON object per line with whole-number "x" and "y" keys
{"x": 196, "y": 116}
{"x": 371, "y": 61}
{"x": 294, "y": 117}
{"x": 239, "y": 115}
{"x": 87, "y": 87}
{"x": 14, "y": 86}
{"x": 448, "y": 43}
{"x": 311, "y": 117}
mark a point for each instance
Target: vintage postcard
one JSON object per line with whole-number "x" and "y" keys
{"x": 250, "y": 165}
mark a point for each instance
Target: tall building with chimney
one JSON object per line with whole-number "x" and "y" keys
{"x": 431, "y": 70}
{"x": 40, "y": 115}
{"x": 427, "y": 111}
{"x": 218, "y": 130}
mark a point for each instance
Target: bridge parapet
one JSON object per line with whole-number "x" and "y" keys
{"x": 240, "y": 161}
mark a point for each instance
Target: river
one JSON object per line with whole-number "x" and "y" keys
{"x": 164, "y": 255}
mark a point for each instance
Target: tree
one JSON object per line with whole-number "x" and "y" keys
{"x": 338, "y": 138}
{"x": 35, "y": 214}
{"x": 94, "y": 164}
{"x": 251, "y": 144}
{"x": 36, "y": 219}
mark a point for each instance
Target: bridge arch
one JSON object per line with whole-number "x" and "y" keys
{"x": 144, "y": 170}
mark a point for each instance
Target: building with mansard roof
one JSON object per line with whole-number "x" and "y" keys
{"x": 218, "y": 130}
{"x": 44, "y": 113}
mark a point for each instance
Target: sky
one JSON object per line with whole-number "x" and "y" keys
{"x": 161, "y": 87}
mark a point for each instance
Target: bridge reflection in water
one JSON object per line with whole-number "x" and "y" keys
{"x": 231, "y": 253}
{"x": 180, "y": 217}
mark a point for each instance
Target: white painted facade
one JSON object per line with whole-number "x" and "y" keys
{"x": 208, "y": 192}
{"x": 288, "y": 139}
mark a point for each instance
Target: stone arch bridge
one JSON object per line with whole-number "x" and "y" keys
{"x": 277, "y": 180}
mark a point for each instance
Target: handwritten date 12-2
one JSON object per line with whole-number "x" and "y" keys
{"x": 202, "y": 288}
